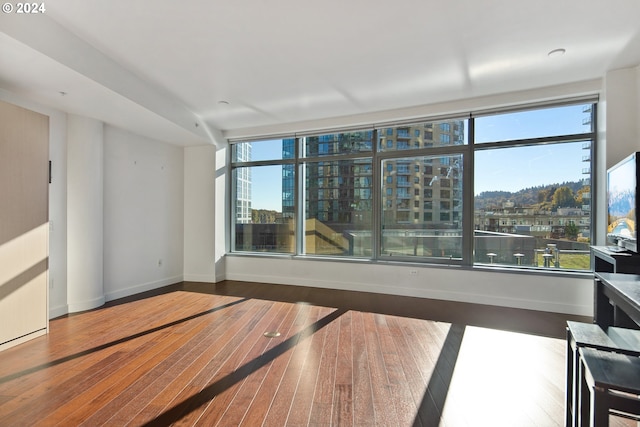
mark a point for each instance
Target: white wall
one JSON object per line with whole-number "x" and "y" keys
{"x": 143, "y": 210}
{"x": 143, "y": 213}
{"x": 528, "y": 291}
{"x": 637, "y": 118}
{"x": 460, "y": 107}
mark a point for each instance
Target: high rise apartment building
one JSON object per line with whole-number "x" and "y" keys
{"x": 422, "y": 191}
{"x": 288, "y": 179}
{"x": 338, "y": 182}
{"x": 242, "y": 153}
{"x": 419, "y": 191}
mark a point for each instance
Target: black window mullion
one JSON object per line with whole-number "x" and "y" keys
{"x": 376, "y": 202}
{"x": 468, "y": 209}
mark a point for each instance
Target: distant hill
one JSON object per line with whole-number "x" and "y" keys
{"x": 541, "y": 196}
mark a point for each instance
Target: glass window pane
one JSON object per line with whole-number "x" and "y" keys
{"x": 338, "y": 208}
{"x": 423, "y": 223}
{"x": 533, "y": 206}
{"x": 423, "y": 135}
{"x": 264, "y": 216}
{"x": 272, "y": 149}
{"x": 339, "y": 143}
{"x": 565, "y": 120}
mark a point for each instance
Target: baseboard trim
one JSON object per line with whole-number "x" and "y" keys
{"x": 61, "y": 310}
{"x": 86, "y": 305}
{"x": 549, "y": 306}
{"x": 143, "y": 287}
{"x": 207, "y": 278}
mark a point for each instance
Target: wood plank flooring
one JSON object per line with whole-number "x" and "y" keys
{"x": 197, "y": 354}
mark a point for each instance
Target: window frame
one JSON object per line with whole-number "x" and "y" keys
{"x": 466, "y": 149}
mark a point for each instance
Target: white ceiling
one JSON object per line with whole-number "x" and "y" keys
{"x": 160, "y": 67}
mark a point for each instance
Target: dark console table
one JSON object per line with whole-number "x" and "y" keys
{"x": 605, "y": 260}
{"x": 617, "y": 300}
{"x": 590, "y": 383}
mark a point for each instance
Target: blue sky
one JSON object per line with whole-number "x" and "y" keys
{"x": 517, "y": 168}
{"x": 266, "y": 188}
{"x": 495, "y": 170}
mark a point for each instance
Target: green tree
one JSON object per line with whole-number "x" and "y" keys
{"x": 563, "y": 198}
{"x": 580, "y": 194}
{"x": 544, "y": 196}
{"x": 571, "y": 231}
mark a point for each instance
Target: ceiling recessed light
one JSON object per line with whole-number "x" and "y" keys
{"x": 557, "y": 52}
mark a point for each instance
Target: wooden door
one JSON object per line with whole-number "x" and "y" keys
{"x": 24, "y": 228}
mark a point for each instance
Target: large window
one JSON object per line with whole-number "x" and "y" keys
{"x": 509, "y": 189}
{"x": 533, "y": 123}
{"x": 264, "y": 197}
{"x": 338, "y": 207}
{"x": 532, "y": 188}
{"x": 337, "y": 194}
{"x": 427, "y": 223}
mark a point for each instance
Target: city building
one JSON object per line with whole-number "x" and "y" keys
{"x": 243, "y": 186}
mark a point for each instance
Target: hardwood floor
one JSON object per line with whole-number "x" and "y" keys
{"x": 197, "y": 354}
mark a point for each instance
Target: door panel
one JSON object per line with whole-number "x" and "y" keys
{"x": 24, "y": 153}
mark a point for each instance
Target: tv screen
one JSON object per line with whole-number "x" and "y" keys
{"x": 622, "y": 181}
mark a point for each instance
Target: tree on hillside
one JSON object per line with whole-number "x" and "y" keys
{"x": 563, "y": 198}
{"x": 580, "y": 194}
{"x": 542, "y": 196}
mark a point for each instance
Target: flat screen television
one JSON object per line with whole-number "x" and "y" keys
{"x": 622, "y": 202}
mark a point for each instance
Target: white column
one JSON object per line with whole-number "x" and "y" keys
{"x": 222, "y": 210}
{"x": 199, "y": 213}
{"x": 618, "y": 132}
{"x": 85, "y": 180}
{"x": 621, "y": 96}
